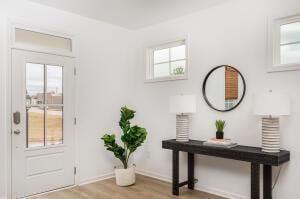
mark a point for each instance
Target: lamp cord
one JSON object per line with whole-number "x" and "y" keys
{"x": 276, "y": 179}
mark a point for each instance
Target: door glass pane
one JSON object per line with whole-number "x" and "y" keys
{"x": 178, "y": 67}
{"x": 34, "y": 84}
{"x": 35, "y": 126}
{"x": 290, "y": 53}
{"x": 161, "y": 55}
{"x": 161, "y": 70}
{"x": 54, "y": 125}
{"x": 290, "y": 33}
{"x": 178, "y": 52}
{"x": 54, "y": 94}
{"x": 35, "y": 93}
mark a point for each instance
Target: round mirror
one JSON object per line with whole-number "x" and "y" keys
{"x": 224, "y": 88}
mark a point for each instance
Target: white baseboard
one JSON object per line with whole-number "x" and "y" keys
{"x": 153, "y": 175}
{"x": 165, "y": 179}
{"x": 45, "y": 193}
{"x": 96, "y": 179}
{"x": 82, "y": 182}
{"x": 219, "y": 192}
{"x": 199, "y": 188}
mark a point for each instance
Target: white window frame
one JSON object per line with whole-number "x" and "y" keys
{"x": 20, "y": 25}
{"x": 150, "y": 61}
{"x": 274, "y": 64}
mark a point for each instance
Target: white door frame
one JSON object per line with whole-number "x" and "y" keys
{"x": 7, "y": 87}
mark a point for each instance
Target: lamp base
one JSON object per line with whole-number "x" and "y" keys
{"x": 270, "y": 135}
{"x": 182, "y": 128}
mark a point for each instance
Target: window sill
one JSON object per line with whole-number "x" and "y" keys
{"x": 283, "y": 67}
{"x": 165, "y": 79}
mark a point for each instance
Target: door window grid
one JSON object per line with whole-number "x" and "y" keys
{"x": 41, "y": 101}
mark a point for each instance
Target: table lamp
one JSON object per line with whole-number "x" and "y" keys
{"x": 270, "y": 106}
{"x": 182, "y": 106}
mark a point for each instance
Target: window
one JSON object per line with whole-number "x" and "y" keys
{"x": 44, "y": 105}
{"x": 229, "y": 104}
{"x": 38, "y": 41}
{"x": 284, "y": 47}
{"x": 290, "y": 43}
{"x": 167, "y": 62}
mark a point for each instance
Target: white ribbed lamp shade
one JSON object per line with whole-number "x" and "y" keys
{"x": 271, "y": 104}
{"x": 183, "y": 104}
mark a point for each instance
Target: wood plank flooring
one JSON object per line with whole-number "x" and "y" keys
{"x": 145, "y": 188}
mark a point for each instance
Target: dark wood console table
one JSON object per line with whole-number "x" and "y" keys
{"x": 254, "y": 155}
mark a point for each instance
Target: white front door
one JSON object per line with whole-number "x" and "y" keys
{"x": 43, "y": 151}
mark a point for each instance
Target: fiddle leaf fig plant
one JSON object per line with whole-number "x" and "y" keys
{"x": 132, "y": 137}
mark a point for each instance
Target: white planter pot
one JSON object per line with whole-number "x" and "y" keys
{"x": 125, "y": 177}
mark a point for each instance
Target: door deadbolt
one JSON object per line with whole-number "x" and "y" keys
{"x": 17, "y": 117}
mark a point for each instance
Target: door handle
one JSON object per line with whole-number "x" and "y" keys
{"x": 17, "y": 132}
{"x": 17, "y": 117}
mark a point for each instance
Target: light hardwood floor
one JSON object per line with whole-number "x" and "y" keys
{"x": 145, "y": 188}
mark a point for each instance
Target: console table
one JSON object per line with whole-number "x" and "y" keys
{"x": 254, "y": 155}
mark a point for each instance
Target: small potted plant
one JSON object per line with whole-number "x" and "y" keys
{"x": 220, "y": 125}
{"x": 132, "y": 138}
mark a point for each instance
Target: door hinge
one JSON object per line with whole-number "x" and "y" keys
{"x": 75, "y": 71}
{"x": 75, "y": 170}
{"x": 75, "y": 120}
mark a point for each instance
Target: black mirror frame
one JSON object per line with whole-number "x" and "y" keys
{"x": 204, "y": 90}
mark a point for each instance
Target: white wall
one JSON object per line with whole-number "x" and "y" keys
{"x": 103, "y": 81}
{"x": 2, "y": 116}
{"x": 111, "y": 68}
{"x": 234, "y": 33}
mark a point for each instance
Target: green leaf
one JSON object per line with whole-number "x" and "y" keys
{"x": 220, "y": 125}
{"x": 111, "y": 145}
{"x": 178, "y": 71}
{"x": 134, "y": 138}
{"x": 126, "y": 115}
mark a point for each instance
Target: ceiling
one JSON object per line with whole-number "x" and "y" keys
{"x": 131, "y": 14}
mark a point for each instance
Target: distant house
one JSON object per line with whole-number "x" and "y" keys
{"x": 51, "y": 98}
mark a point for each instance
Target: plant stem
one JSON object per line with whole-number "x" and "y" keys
{"x": 128, "y": 156}
{"x": 125, "y": 159}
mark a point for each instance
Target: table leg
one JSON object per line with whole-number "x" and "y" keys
{"x": 255, "y": 175}
{"x": 267, "y": 183}
{"x": 175, "y": 181}
{"x": 191, "y": 168}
